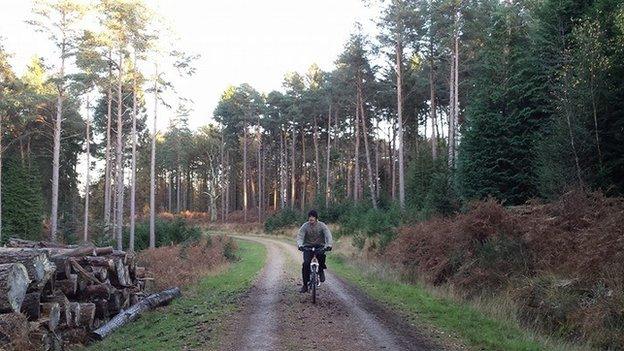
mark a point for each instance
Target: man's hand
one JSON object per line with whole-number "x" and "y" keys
{"x": 300, "y": 248}
{"x": 328, "y": 248}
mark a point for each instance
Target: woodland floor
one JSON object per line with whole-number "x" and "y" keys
{"x": 255, "y": 304}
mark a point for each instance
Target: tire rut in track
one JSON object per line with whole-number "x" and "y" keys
{"x": 256, "y": 327}
{"x": 367, "y": 331}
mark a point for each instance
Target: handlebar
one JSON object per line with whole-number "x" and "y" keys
{"x": 315, "y": 248}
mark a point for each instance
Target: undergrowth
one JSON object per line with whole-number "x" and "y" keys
{"x": 184, "y": 264}
{"x": 559, "y": 262}
{"x": 195, "y": 320}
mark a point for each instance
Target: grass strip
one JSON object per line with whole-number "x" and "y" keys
{"x": 476, "y": 330}
{"x": 194, "y": 319}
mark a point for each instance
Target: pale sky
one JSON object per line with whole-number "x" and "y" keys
{"x": 239, "y": 41}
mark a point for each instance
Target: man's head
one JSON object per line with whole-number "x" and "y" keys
{"x": 312, "y": 216}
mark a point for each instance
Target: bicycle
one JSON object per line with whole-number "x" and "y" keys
{"x": 314, "y": 281}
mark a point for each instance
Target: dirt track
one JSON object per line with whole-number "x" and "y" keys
{"x": 274, "y": 316}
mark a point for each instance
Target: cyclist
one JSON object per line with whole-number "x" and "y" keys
{"x": 313, "y": 233}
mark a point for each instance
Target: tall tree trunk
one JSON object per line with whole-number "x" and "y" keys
{"x": 85, "y": 235}
{"x": 261, "y": 184}
{"x": 432, "y": 97}
{"x": 259, "y": 137}
{"x": 114, "y": 198}
{"x": 593, "y": 99}
{"x": 337, "y": 147}
{"x": 292, "y": 169}
{"x": 304, "y": 179}
{"x": 392, "y": 158}
{"x": 451, "y": 126}
{"x": 56, "y": 154}
{"x": 568, "y": 114}
{"x": 152, "y": 234}
{"x": 178, "y": 186}
{"x": 283, "y": 186}
{"x": 369, "y": 168}
{"x": 107, "y": 152}
{"x": 327, "y": 159}
{"x": 253, "y": 190}
{"x": 245, "y": 172}
{"x": 266, "y": 197}
{"x": 227, "y": 184}
{"x": 275, "y": 196}
{"x": 168, "y": 185}
{"x": 169, "y": 191}
{"x": 356, "y": 171}
{"x": 188, "y": 191}
{"x": 349, "y": 179}
{"x": 399, "y": 68}
{"x": 120, "y": 171}
{"x": 222, "y": 187}
{"x": 317, "y": 165}
{"x": 349, "y": 175}
{"x": 213, "y": 201}
{"x": 376, "y": 174}
{"x": 183, "y": 190}
{"x": 133, "y": 162}
{"x": 456, "y": 97}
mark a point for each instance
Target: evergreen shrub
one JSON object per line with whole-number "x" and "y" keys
{"x": 168, "y": 232}
{"x": 283, "y": 218}
{"x": 22, "y": 201}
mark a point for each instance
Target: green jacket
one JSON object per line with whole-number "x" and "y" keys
{"x": 317, "y": 234}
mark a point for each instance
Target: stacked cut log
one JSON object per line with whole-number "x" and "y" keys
{"x": 63, "y": 292}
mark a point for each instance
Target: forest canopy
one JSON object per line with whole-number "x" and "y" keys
{"x": 447, "y": 102}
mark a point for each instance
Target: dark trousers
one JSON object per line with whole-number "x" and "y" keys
{"x": 305, "y": 269}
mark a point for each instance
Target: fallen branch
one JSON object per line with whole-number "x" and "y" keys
{"x": 83, "y": 272}
{"x": 132, "y": 313}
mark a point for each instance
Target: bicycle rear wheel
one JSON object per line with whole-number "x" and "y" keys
{"x": 313, "y": 283}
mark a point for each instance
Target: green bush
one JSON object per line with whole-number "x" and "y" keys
{"x": 282, "y": 219}
{"x": 22, "y": 201}
{"x": 360, "y": 221}
{"x": 230, "y": 250}
{"x": 430, "y": 187}
{"x": 334, "y": 212}
{"x": 369, "y": 221}
{"x": 168, "y": 232}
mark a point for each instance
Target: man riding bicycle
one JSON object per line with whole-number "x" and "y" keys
{"x": 313, "y": 233}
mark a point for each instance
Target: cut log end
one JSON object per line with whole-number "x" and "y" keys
{"x": 51, "y": 315}
{"x": 13, "y": 285}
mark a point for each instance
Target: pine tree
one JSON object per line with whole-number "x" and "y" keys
{"x": 22, "y": 200}
{"x": 498, "y": 151}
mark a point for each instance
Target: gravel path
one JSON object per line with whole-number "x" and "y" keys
{"x": 274, "y": 316}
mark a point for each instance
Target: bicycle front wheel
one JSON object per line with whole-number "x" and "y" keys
{"x": 313, "y": 281}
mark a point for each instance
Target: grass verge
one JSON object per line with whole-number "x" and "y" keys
{"x": 472, "y": 327}
{"x": 194, "y": 319}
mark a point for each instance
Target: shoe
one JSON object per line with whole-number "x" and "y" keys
{"x": 304, "y": 289}
{"x": 322, "y": 276}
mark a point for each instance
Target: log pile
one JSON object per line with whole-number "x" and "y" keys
{"x": 60, "y": 294}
